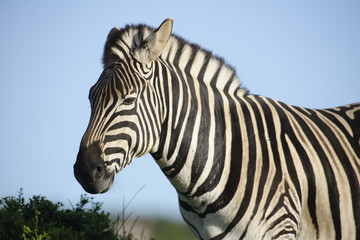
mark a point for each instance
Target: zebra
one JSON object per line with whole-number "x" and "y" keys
{"x": 244, "y": 166}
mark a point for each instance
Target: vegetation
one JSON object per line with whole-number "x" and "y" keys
{"x": 163, "y": 229}
{"x": 41, "y": 219}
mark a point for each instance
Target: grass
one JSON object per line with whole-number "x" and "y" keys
{"x": 165, "y": 230}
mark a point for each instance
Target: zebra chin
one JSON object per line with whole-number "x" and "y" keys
{"x": 91, "y": 172}
{"x": 96, "y": 187}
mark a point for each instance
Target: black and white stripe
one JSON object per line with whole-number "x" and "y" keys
{"x": 244, "y": 166}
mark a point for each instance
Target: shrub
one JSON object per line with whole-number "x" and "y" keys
{"x": 40, "y": 218}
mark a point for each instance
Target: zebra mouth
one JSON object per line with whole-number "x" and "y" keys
{"x": 109, "y": 184}
{"x": 98, "y": 186}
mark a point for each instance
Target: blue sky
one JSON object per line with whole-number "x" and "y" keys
{"x": 306, "y": 53}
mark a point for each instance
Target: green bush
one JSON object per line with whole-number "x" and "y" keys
{"x": 40, "y": 218}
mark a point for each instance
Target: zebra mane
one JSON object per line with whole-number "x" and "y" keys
{"x": 120, "y": 43}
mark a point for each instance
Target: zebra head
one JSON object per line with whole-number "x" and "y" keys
{"x": 126, "y": 107}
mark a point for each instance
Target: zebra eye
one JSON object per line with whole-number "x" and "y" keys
{"x": 129, "y": 100}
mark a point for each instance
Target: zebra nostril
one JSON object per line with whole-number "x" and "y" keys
{"x": 99, "y": 172}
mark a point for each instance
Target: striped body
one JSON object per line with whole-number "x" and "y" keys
{"x": 244, "y": 166}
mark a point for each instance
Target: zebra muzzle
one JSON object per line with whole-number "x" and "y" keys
{"x": 91, "y": 172}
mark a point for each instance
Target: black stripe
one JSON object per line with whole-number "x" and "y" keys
{"x": 217, "y": 167}
{"x": 271, "y": 129}
{"x": 163, "y": 133}
{"x": 265, "y": 157}
{"x": 121, "y": 136}
{"x": 235, "y": 165}
{"x": 114, "y": 150}
{"x": 189, "y": 124}
{"x": 202, "y": 146}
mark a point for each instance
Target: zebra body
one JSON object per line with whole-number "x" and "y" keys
{"x": 244, "y": 166}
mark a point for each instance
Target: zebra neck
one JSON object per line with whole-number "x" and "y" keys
{"x": 191, "y": 150}
{"x": 198, "y": 90}
{"x": 195, "y": 147}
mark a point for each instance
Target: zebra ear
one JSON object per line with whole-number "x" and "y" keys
{"x": 113, "y": 32}
{"x": 154, "y": 44}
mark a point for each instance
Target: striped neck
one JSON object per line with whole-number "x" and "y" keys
{"x": 198, "y": 89}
